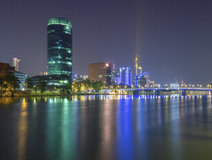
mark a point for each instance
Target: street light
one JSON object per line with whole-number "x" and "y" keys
{"x": 200, "y": 85}
{"x": 193, "y": 85}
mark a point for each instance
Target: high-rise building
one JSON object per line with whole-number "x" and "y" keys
{"x": 147, "y": 76}
{"x": 125, "y": 76}
{"x": 59, "y": 41}
{"x": 16, "y": 63}
{"x": 139, "y": 70}
{"x": 141, "y": 81}
{"x": 100, "y": 72}
{"x": 136, "y": 66}
{"x": 113, "y": 75}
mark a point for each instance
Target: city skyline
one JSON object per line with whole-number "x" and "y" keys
{"x": 170, "y": 38}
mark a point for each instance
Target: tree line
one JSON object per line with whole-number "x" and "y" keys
{"x": 88, "y": 85}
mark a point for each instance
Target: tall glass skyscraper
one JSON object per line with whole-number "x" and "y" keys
{"x": 59, "y": 43}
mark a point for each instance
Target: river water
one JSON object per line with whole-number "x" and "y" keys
{"x": 106, "y": 128}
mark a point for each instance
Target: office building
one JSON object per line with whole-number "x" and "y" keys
{"x": 125, "y": 76}
{"x": 59, "y": 41}
{"x": 100, "y": 72}
{"x": 141, "y": 81}
{"x": 21, "y": 77}
{"x": 113, "y": 75}
{"x": 139, "y": 70}
{"x": 53, "y": 81}
{"x": 6, "y": 69}
{"x": 147, "y": 76}
{"x": 16, "y": 63}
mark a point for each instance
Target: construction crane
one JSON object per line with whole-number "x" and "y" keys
{"x": 181, "y": 80}
{"x": 176, "y": 80}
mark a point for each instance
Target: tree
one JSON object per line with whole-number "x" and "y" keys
{"x": 42, "y": 85}
{"x": 67, "y": 87}
{"x": 88, "y": 84}
{"x": 3, "y": 85}
{"x": 97, "y": 85}
{"x": 35, "y": 89}
{"x": 77, "y": 86}
{"x": 28, "y": 85}
{"x": 13, "y": 83}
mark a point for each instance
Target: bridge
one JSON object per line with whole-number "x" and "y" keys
{"x": 158, "y": 91}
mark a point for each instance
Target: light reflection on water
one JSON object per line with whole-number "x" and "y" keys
{"x": 121, "y": 127}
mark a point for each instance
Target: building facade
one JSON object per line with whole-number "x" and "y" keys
{"x": 22, "y": 77}
{"x": 16, "y": 63}
{"x": 6, "y": 69}
{"x": 59, "y": 41}
{"x": 53, "y": 81}
{"x": 125, "y": 76}
{"x": 100, "y": 72}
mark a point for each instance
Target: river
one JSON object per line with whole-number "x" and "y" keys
{"x": 106, "y": 127}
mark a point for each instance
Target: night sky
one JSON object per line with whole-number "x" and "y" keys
{"x": 170, "y": 37}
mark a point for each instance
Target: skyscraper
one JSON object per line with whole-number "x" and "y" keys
{"x": 16, "y": 63}
{"x": 59, "y": 41}
{"x": 125, "y": 76}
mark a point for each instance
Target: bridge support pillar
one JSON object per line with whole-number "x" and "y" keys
{"x": 156, "y": 92}
{"x": 183, "y": 93}
{"x": 136, "y": 92}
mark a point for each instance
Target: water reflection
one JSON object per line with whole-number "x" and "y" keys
{"x": 108, "y": 123}
{"x": 22, "y": 131}
{"x": 124, "y": 131}
{"x": 107, "y": 127}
